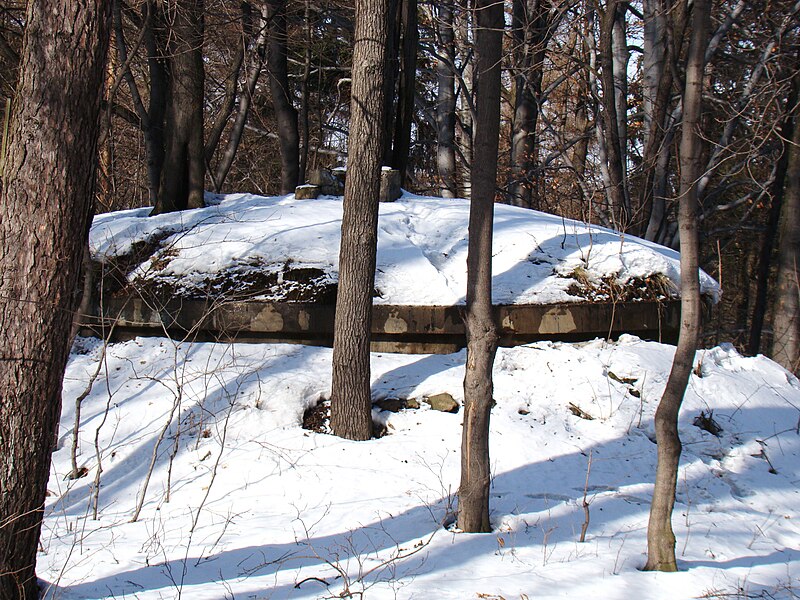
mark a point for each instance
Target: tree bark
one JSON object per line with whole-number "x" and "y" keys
{"x": 531, "y": 30}
{"x": 660, "y": 537}
{"x": 616, "y": 185}
{"x": 409, "y": 44}
{"x": 45, "y": 208}
{"x": 786, "y": 308}
{"x": 285, "y": 113}
{"x": 446, "y": 103}
{"x": 351, "y": 403}
{"x": 770, "y": 235}
{"x": 473, "y": 492}
{"x": 183, "y": 174}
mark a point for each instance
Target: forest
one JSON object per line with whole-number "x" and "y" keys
{"x": 590, "y": 116}
{"x": 674, "y": 121}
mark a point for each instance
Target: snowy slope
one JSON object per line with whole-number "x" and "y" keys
{"x": 422, "y": 249}
{"x": 261, "y": 508}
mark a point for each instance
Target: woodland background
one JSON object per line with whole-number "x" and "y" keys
{"x": 590, "y": 113}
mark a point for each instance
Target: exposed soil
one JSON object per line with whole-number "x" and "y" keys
{"x": 653, "y": 288}
{"x": 318, "y": 418}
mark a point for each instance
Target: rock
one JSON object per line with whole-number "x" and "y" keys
{"x": 391, "y": 404}
{"x": 390, "y": 185}
{"x": 306, "y": 192}
{"x": 397, "y": 404}
{"x": 442, "y": 402}
{"x": 326, "y": 182}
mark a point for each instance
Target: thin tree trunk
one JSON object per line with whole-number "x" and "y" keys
{"x": 401, "y": 148}
{"x": 227, "y": 106}
{"x": 285, "y": 113}
{"x": 45, "y": 208}
{"x": 770, "y": 236}
{"x": 531, "y": 33}
{"x": 660, "y": 537}
{"x": 464, "y": 51}
{"x": 351, "y": 403}
{"x": 446, "y": 103}
{"x": 304, "y": 96}
{"x": 473, "y": 492}
{"x": 183, "y": 174}
{"x": 245, "y": 100}
{"x": 615, "y": 185}
{"x": 786, "y": 307}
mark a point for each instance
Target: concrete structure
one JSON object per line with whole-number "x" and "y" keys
{"x": 410, "y": 329}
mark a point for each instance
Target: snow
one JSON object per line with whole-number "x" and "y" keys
{"x": 421, "y": 240}
{"x": 261, "y": 508}
{"x": 242, "y": 502}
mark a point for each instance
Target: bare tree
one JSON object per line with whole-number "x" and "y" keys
{"x": 533, "y": 24}
{"x": 473, "y": 492}
{"x": 660, "y": 537}
{"x": 351, "y": 402}
{"x": 182, "y": 178}
{"x": 285, "y": 113}
{"x": 44, "y": 216}
{"x": 786, "y": 307}
{"x": 446, "y": 101}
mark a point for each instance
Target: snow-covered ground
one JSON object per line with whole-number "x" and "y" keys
{"x": 422, "y": 249}
{"x": 239, "y": 501}
{"x": 261, "y": 508}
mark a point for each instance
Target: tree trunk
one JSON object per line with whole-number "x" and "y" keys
{"x": 401, "y": 148}
{"x": 351, "y": 403}
{"x": 285, "y": 113}
{"x": 616, "y": 183}
{"x": 182, "y": 176}
{"x": 531, "y": 33}
{"x": 228, "y": 102}
{"x": 446, "y": 103}
{"x": 245, "y": 100}
{"x": 304, "y": 94}
{"x": 45, "y": 208}
{"x": 473, "y": 492}
{"x": 660, "y": 537}
{"x": 770, "y": 235}
{"x": 464, "y": 51}
{"x": 786, "y": 309}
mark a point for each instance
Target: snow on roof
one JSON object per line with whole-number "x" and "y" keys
{"x": 422, "y": 249}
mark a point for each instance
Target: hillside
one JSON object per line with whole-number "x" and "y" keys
{"x": 244, "y": 495}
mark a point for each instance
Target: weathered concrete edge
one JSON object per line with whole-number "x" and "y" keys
{"x": 401, "y": 328}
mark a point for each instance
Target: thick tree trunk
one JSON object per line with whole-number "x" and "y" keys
{"x": 786, "y": 308}
{"x": 473, "y": 492}
{"x": 351, "y": 403}
{"x": 45, "y": 209}
{"x": 285, "y": 113}
{"x": 446, "y": 103}
{"x": 183, "y": 174}
{"x": 660, "y": 537}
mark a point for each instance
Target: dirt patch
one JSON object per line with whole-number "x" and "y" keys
{"x": 318, "y": 418}
{"x": 268, "y": 283}
{"x": 653, "y": 288}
